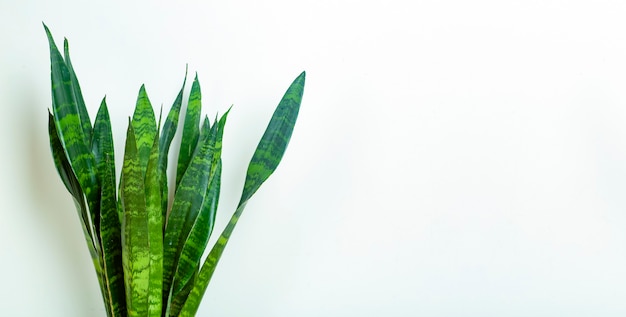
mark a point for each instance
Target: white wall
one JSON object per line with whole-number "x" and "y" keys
{"x": 452, "y": 158}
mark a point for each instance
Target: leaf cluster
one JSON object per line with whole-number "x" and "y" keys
{"x": 146, "y": 250}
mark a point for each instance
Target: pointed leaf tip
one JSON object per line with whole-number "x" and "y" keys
{"x": 45, "y": 27}
{"x": 274, "y": 142}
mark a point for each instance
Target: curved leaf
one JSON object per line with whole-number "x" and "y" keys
{"x": 264, "y": 161}
{"x": 71, "y": 184}
{"x": 274, "y": 142}
{"x": 69, "y": 127}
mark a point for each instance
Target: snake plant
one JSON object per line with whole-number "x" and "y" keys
{"x": 147, "y": 240}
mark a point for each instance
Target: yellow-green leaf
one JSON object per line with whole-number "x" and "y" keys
{"x": 135, "y": 236}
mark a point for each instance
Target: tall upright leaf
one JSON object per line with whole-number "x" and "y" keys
{"x": 135, "y": 232}
{"x": 71, "y": 184}
{"x": 265, "y": 159}
{"x": 110, "y": 227}
{"x": 198, "y": 227}
{"x": 167, "y": 135}
{"x": 148, "y": 262}
{"x": 197, "y": 240}
{"x": 78, "y": 95}
{"x": 70, "y": 131}
{"x": 102, "y": 142}
{"x": 191, "y": 130}
{"x": 155, "y": 231}
{"x": 69, "y": 179}
{"x": 187, "y": 203}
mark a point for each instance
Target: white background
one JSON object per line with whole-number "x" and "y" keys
{"x": 452, "y": 158}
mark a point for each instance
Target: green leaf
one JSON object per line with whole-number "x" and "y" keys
{"x": 187, "y": 203}
{"x": 274, "y": 142}
{"x": 144, "y": 125}
{"x": 110, "y": 227}
{"x": 64, "y": 169}
{"x": 135, "y": 232}
{"x": 102, "y": 142}
{"x": 71, "y": 184}
{"x": 69, "y": 127}
{"x": 110, "y": 232}
{"x": 264, "y": 161}
{"x": 155, "y": 230}
{"x": 190, "y": 130}
{"x": 196, "y": 244}
{"x": 74, "y": 142}
{"x": 167, "y": 135}
{"x": 148, "y": 266}
{"x": 199, "y": 226}
{"x": 78, "y": 95}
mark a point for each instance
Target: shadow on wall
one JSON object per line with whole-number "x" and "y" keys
{"x": 55, "y": 217}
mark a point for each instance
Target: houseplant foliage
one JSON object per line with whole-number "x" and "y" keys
{"x": 147, "y": 240}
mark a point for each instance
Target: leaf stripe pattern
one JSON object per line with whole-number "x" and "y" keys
{"x": 198, "y": 226}
{"x": 264, "y": 161}
{"x": 110, "y": 227}
{"x": 148, "y": 260}
{"x": 71, "y": 184}
{"x": 155, "y": 231}
{"x": 198, "y": 239}
{"x": 191, "y": 131}
{"x": 187, "y": 203}
{"x": 274, "y": 142}
{"x": 78, "y": 95}
{"x": 144, "y": 125}
{"x": 70, "y": 130}
{"x": 110, "y": 231}
{"x": 76, "y": 149}
{"x": 135, "y": 238}
{"x": 167, "y": 135}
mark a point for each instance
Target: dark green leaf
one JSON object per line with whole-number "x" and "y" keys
{"x": 110, "y": 227}
{"x": 187, "y": 203}
{"x": 196, "y": 243}
{"x": 274, "y": 142}
{"x": 190, "y": 130}
{"x": 111, "y": 233}
{"x": 167, "y": 135}
{"x": 102, "y": 143}
{"x": 71, "y": 184}
{"x": 264, "y": 161}
{"x": 69, "y": 127}
{"x": 78, "y": 95}
{"x": 199, "y": 227}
